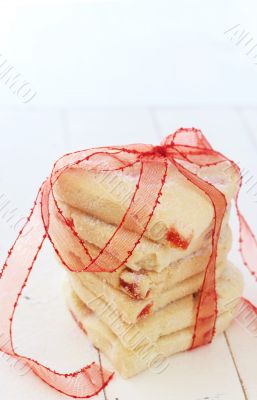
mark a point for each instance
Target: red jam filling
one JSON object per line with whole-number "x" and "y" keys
{"x": 146, "y": 311}
{"x": 176, "y": 240}
{"x": 131, "y": 289}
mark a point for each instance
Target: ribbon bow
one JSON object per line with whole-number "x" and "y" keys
{"x": 185, "y": 150}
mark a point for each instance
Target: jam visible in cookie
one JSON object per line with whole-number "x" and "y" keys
{"x": 146, "y": 311}
{"x": 175, "y": 240}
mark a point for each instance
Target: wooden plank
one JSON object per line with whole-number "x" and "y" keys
{"x": 243, "y": 343}
{"x": 226, "y": 130}
{"x": 89, "y": 128}
{"x": 242, "y": 335}
{"x": 205, "y": 373}
{"x": 31, "y": 140}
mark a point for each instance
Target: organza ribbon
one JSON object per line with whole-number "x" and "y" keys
{"x": 183, "y": 149}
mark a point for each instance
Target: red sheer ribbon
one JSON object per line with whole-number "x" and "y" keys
{"x": 184, "y": 148}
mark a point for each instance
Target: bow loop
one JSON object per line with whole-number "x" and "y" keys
{"x": 190, "y": 137}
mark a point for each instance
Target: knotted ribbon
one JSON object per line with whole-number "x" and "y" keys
{"x": 184, "y": 149}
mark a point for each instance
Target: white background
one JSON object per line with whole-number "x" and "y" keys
{"x": 115, "y": 72}
{"x": 130, "y": 53}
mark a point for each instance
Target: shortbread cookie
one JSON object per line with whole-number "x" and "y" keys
{"x": 174, "y": 317}
{"x": 140, "y": 284}
{"x": 147, "y": 255}
{"x": 132, "y": 310}
{"x": 148, "y": 355}
{"x": 183, "y": 215}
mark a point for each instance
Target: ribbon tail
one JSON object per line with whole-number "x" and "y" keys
{"x": 21, "y": 259}
{"x": 248, "y": 250}
{"x": 248, "y": 245}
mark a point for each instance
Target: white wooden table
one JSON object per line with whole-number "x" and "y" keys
{"x": 31, "y": 139}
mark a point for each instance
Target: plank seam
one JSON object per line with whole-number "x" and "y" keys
{"x": 236, "y": 366}
{"x": 101, "y": 367}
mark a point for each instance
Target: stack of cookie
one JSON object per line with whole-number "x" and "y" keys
{"x": 145, "y": 310}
